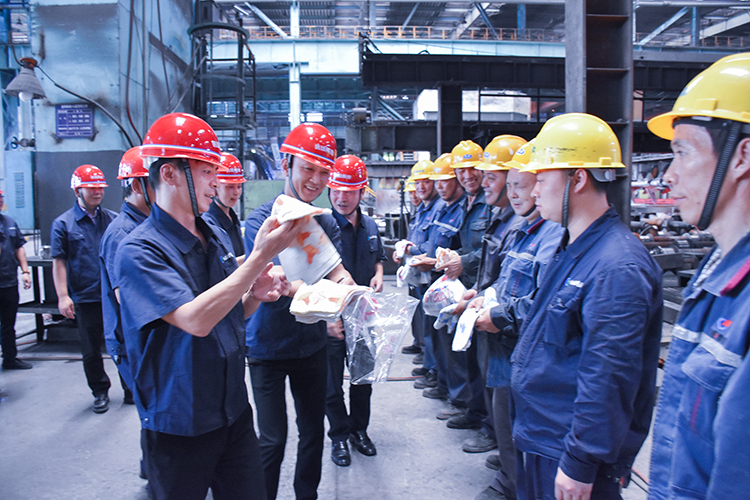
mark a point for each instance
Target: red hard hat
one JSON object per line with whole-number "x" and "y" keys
{"x": 87, "y": 176}
{"x": 230, "y": 170}
{"x": 132, "y": 165}
{"x": 311, "y": 142}
{"x": 348, "y": 174}
{"x": 181, "y": 135}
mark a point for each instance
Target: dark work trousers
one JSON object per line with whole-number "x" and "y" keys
{"x": 307, "y": 379}
{"x": 451, "y": 368}
{"x": 91, "y": 331}
{"x": 227, "y": 460}
{"x": 8, "y": 310}
{"x": 476, "y": 383}
{"x": 482, "y": 361}
{"x": 342, "y": 423}
{"x": 505, "y": 478}
{"x": 536, "y": 480}
{"x": 417, "y": 331}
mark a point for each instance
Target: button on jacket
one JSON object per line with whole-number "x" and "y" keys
{"x": 584, "y": 369}
{"x": 361, "y": 247}
{"x": 476, "y": 222}
{"x": 530, "y": 249}
{"x": 76, "y": 238}
{"x": 129, "y": 218}
{"x": 229, "y": 224}
{"x": 184, "y": 385}
{"x": 701, "y": 435}
{"x": 11, "y": 240}
{"x": 272, "y": 332}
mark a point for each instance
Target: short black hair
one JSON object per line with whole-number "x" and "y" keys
{"x": 153, "y": 171}
{"x": 127, "y": 188}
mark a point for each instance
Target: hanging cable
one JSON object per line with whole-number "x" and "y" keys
{"x": 163, "y": 56}
{"x": 127, "y": 70}
{"x": 93, "y": 103}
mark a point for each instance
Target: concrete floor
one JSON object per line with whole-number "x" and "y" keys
{"x": 53, "y": 445}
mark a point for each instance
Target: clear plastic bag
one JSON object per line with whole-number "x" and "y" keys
{"x": 442, "y": 293}
{"x": 375, "y": 325}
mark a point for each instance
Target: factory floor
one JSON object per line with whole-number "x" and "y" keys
{"x": 52, "y": 446}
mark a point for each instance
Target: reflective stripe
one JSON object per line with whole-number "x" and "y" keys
{"x": 721, "y": 353}
{"x": 683, "y": 333}
{"x": 446, "y": 226}
{"x": 522, "y": 255}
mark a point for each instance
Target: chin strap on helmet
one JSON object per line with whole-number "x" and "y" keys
{"x": 144, "y": 186}
{"x": 290, "y": 159}
{"x": 727, "y": 150}
{"x": 191, "y": 187}
{"x": 566, "y": 201}
{"x": 531, "y": 211}
{"x": 83, "y": 202}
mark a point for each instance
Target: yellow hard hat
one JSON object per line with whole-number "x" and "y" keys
{"x": 721, "y": 91}
{"x": 442, "y": 168}
{"x": 499, "y": 151}
{"x": 522, "y": 156}
{"x": 421, "y": 170}
{"x": 576, "y": 140}
{"x": 466, "y": 154}
{"x": 409, "y": 185}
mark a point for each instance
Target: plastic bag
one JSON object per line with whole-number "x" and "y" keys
{"x": 375, "y": 325}
{"x": 323, "y": 301}
{"x": 311, "y": 255}
{"x": 442, "y": 293}
{"x": 465, "y": 327}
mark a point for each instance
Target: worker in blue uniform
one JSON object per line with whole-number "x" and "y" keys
{"x": 470, "y": 162}
{"x": 76, "y": 235}
{"x": 12, "y": 255}
{"x": 419, "y": 235}
{"x": 278, "y": 346}
{"x": 133, "y": 173}
{"x": 583, "y": 372}
{"x": 184, "y": 300}
{"x": 530, "y": 248}
{"x": 417, "y": 345}
{"x": 362, "y": 255}
{"x": 448, "y": 379}
{"x": 136, "y": 206}
{"x": 701, "y": 441}
{"x": 229, "y": 191}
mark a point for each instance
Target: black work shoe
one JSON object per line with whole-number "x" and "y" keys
{"x": 411, "y": 349}
{"x": 418, "y": 359}
{"x": 429, "y": 380}
{"x": 490, "y": 493}
{"x": 435, "y": 393}
{"x": 340, "y": 454}
{"x": 101, "y": 403}
{"x": 419, "y": 372}
{"x": 493, "y": 462}
{"x": 449, "y": 412}
{"x": 16, "y": 364}
{"x": 362, "y": 443}
{"x": 463, "y": 421}
{"x": 479, "y": 444}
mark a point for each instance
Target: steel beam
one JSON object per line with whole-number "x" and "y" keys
{"x": 263, "y": 17}
{"x": 664, "y": 26}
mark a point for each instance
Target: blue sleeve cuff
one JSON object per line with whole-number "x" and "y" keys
{"x": 577, "y": 469}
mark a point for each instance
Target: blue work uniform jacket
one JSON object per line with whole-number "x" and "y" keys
{"x": 129, "y": 218}
{"x": 272, "y": 332}
{"x": 361, "y": 247}
{"x": 701, "y": 445}
{"x": 426, "y": 213}
{"x": 11, "y": 240}
{"x": 476, "y": 221}
{"x": 230, "y": 225}
{"x": 494, "y": 244}
{"x": 584, "y": 370}
{"x": 75, "y": 239}
{"x": 443, "y": 231}
{"x": 530, "y": 249}
{"x": 184, "y": 385}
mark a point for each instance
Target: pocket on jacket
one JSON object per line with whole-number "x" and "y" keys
{"x": 563, "y": 323}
